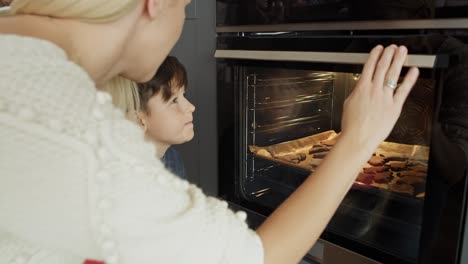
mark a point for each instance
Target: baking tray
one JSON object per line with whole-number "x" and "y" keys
{"x": 409, "y": 153}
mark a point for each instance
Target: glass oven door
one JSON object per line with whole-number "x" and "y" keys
{"x": 281, "y": 109}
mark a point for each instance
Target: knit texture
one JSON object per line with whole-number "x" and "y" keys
{"x": 78, "y": 181}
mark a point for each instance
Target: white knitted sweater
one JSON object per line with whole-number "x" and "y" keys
{"x": 77, "y": 180}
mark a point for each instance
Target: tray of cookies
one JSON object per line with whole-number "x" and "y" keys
{"x": 398, "y": 168}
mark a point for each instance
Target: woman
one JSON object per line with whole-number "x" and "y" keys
{"x": 77, "y": 177}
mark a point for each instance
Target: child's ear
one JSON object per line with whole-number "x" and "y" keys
{"x": 142, "y": 121}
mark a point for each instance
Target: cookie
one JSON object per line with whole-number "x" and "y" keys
{"x": 377, "y": 161}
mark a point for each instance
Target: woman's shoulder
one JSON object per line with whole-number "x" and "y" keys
{"x": 41, "y": 86}
{"x": 37, "y": 74}
{"x": 27, "y": 61}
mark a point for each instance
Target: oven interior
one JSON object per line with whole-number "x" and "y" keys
{"x": 283, "y": 109}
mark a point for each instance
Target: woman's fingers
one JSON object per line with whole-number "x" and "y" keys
{"x": 393, "y": 74}
{"x": 369, "y": 67}
{"x": 384, "y": 64}
{"x": 405, "y": 87}
{"x": 372, "y": 109}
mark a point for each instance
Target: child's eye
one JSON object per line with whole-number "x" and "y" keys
{"x": 174, "y": 101}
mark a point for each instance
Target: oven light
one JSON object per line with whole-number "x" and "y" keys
{"x": 356, "y": 76}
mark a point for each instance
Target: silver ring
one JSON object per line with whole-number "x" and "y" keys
{"x": 391, "y": 84}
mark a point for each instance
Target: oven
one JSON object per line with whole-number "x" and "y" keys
{"x": 270, "y": 12}
{"x": 281, "y": 90}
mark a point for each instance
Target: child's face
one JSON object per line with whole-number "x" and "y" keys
{"x": 169, "y": 122}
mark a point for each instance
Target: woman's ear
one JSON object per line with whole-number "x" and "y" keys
{"x": 152, "y": 7}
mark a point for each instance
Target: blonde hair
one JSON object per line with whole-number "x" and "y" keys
{"x": 97, "y": 11}
{"x": 124, "y": 95}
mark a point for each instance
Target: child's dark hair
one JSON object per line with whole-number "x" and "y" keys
{"x": 171, "y": 74}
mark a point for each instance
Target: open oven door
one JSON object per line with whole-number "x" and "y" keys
{"x": 275, "y": 104}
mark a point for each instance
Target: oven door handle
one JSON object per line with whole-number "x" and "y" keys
{"x": 420, "y": 61}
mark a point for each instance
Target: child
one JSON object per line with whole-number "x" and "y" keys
{"x": 160, "y": 107}
{"x": 165, "y": 114}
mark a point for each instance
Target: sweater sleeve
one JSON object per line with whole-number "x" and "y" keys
{"x": 15, "y": 250}
{"x": 145, "y": 214}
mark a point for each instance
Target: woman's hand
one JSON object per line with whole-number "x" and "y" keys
{"x": 372, "y": 109}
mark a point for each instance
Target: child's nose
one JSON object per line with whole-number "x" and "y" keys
{"x": 189, "y": 106}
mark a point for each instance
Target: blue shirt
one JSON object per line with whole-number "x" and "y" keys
{"x": 174, "y": 163}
